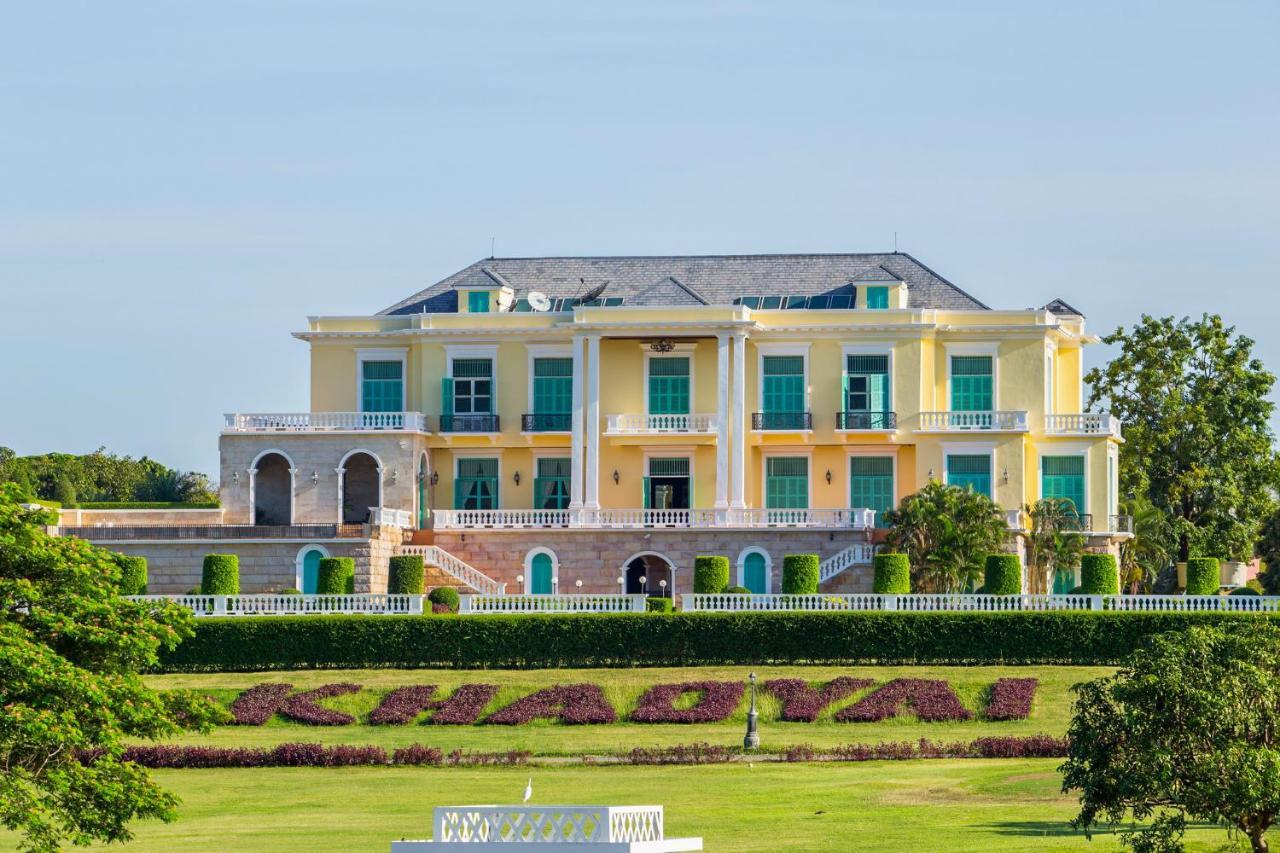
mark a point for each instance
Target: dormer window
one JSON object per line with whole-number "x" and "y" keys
{"x": 876, "y": 297}
{"x": 479, "y": 301}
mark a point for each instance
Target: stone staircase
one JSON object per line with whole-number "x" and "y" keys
{"x": 833, "y": 574}
{"x": 451, "y": 571}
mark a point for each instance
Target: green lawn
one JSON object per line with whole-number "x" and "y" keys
{"x": 1050, "y": 713}
{"x": 977, "y": 805}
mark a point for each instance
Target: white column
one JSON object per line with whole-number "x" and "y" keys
{"x": 593, "y": 423}
{"x": 381, "y": 502}
{"x": 341, "y": 472}
{"x": 575, "y": 460}
{"x": 293, "y": 495}
{"x": 739, "y": 477}
{"x": 253, "y": 496}
{"x": 722, "y": 421}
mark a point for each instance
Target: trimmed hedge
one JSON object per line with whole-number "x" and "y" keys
{"x": 405, "y": 575}
{"x": 655, "y": 604}
{"x": 1002, "y": 575}
{"x": 800, "y": 574}
{"x": 738, "y": 590}
{"x": 446, "y": 595}
{"x": 1099, "y": 574}
{"x": 710, "y": 574}
{"x": 333, "y": 574}
{"x": 893, "y": 574}
{"x": 220, "y": 575}
{"x": 133, "y": 574}
{"x": 1203, "y": 576}
{"x": 1244, "y": 590}
{"x": 240, "y": 644}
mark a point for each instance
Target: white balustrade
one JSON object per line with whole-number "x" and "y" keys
{"x": 433, "y": 555}
{"x": 389, "y": 517}
{"x": 501, "y": 519}
{"x": 277, "y": 604}
{"x": 728, "y": 602}
{"x": 961, "y": 603}
{"x": 632, "y": 828}
{"x": 1013, "y": 519}
{"x": 325, "y": 421}
{"x": 1087, "y": 423}
{"x": 555, "y": 603}
{"x": 517, "y": 519}
{"x": 632, "y": 424}
{"x": 1194, "y": 603}
{"x": 858, "y": 554}
{"x": 966, "y": 421}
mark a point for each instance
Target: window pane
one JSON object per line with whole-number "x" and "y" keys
{"x": 877, "y": 297}
{"x": 478, "y": 302}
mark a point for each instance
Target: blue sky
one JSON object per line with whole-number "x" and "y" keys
{"x": 181, "y": 184}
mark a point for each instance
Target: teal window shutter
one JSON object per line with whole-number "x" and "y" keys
{"x": 971, "y": 389}
{"x": 446, "y": 395}
{"x": 786, "y": 482}
{"x": 669, "y": 386}
{"x": 783, "y": 383}
{"x": 551, "y": 483}
{"x": 1062, "y": 478}
{"x": 970, "y": 472}
{"x": 552, "y": 386}
{"x": 478, "y": 301}
{"x": 476, "y": 486}
{"x": 877, "y": 297}
{"x": 645, "y": 498}
{"x": 871, "y": 484}
{"x": 382, "y": 386}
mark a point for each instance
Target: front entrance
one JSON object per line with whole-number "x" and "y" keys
{"x": 1064, "y": 580}
{"x": 645, "y": 574}
{"x": 667, "y": 486}
{"x": 310, "y": 580}
{"x": 755, "y": 573}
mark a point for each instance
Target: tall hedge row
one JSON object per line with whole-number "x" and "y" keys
{"x": 1203, "y": 576}
{"x": 682, "y": 639}
{"x": 710, "y": 574}
{"x": 1099, "y": 574}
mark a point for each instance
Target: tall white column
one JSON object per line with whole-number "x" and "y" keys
{"x": 575, "y": 461}
{"x": 293, "y": 495}
{"x": 253, "y": 496}
{"x": 341, "y": 472}
{"x": 739, "y": 478}
{"x": 722, "y": 421}
{"x": 593, "y": 423}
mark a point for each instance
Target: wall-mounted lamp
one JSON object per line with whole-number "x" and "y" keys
{"x": 930, "y": 473}
{"x": 828, "y": 476}
{"x": 315, "y": 477}
{"x": 616, "y": 476}
{"x": 235, "y": 477}
{"x": 516, "y": 477}
{"x": 395, "y": 475}
{"x": 435, "y": 477}
{"x": 1004, "y": 477}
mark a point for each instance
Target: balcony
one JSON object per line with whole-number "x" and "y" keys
{"x": 633, "y": 519}
{"x": 326, "y": 422}
{"x": 972, "y": 422}
{"x": 1089, "y": 423}
{"x": 1116, "y": 525}
{"x": 661, "y": 425}
{"x": 469, "y": 423}
{"x": 782, "y": 421}
{"x": 866, "y": 421}
{"x": 539, "y": 422}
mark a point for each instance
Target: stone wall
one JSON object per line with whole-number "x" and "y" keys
{"x": 138, "y": 517}
{"x": 175, "y": 567}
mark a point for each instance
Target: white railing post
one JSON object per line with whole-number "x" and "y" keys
{"x": 1095, "y": 602}
{"x": 415, "y": 604}
{"x": 464, "y": 603}
{"x": 638, "y": 604}
{"x": 890, "y": 602}
{"x": 219, "y": 605}
{"x": 686, "y": 602}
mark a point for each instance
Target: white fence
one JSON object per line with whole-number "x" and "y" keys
{"x": 325, "y": 421}
{"x": 572, "y": 603}
{"x": 966, "y": 421}
{"x": 624, "y": 519}
{"x": 1087, "y": 423}
{"x": 273, "y": 604}
{"x": 660, "y": 424}
{"x": 959, "y": 603}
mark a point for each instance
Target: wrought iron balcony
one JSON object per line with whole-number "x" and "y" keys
{"x": 469, "y": 423}
{"x": 782, "y": 421}
{"x": 866, "y": 420}
{"x": 541, "y": 422}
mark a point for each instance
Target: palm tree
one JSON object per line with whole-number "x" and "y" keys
{"x": 1147, "y": 551}
{"x": 1054, "y": 543}
{"x": 946, "y": 532}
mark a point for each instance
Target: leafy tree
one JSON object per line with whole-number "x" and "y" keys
{"x": 70, "y": 653}
{"x": 1054, "y": 542}
{"x": 1193, "y": 400}
{"x": 63, "y": 492}
{"x": 102, "y": 476}
{"x": 1189, "y": 726}
{"x": 946, "y": 532}
{"x": 1268, "y": 550}
{"x": 1147, "y": 551}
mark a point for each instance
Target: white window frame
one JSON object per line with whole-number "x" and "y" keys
{"x": 976, "y": 348}
{"x": 807, "y": 453}
{"x": 460, "y": 454}
{"x": 677, "y": 351}
{"x": 771, "y": 349}
{"x": 873, "y": 451}
{"x": 1066, "y": 448}
{"x": 466, "y": 351}
{"x": 768, "y": 567}
{"x": 528, "y": 569}
{"x": 885, "y": 348}
{"x": 400, "y": 354}
{"x": 535, "y": 352}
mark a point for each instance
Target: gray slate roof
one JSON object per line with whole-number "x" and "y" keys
{"x": 692, "y": 279}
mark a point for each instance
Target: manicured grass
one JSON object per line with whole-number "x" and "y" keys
{"x": 976, "y": 805}
{"x": 1050, "y": 712}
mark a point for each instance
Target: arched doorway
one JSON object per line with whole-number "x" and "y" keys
{"x": 361, "y": 486}
{"x": 653, "y": 568}
{"x": 272, "y": 489}
{"x": 308, "y": 568}
{"x": 540, "y": 572}
{"x": 423, "y": 476}
{"x": 753, "y": 571}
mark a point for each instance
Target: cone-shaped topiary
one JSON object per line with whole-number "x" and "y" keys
{"x": 334, "y": 574}
{"x": 892, "y": 574}
{"x": 133, "y": 574}
{"x": 220, "y": 575}
{"x": 405, "y": 575}
{"x": 1003, "y": 575}
{"x": 446, "y": 595}
{"x": 800, "y": 574}
{"x": 710, "y": 574}
{"x": 1099, "y": 574}
{"x": 1203, "y": 576}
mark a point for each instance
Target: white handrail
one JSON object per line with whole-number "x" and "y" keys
{"x": 637, "y": 424}
{"x": 324, "y": 421}
{"x": 515, "y": 519}
{"x": 280, "y": 604}
{"x": 553, "y": 603}
{"x": 858, "y": 554}
{"x": 434, "y": 555}
{"x": 1085, "y": 423}
{"x": 1009, "y": 421}
{"x": 557, "y": 825}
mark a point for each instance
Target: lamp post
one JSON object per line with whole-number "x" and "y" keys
{"x": 663, "y": 584}
{"x": 644, "y": 584}
{"x": 578, "y": 584}
{"x": 752, "y": 740}
{"x": 622, "y": 585}
{"x": 520, "y": 580}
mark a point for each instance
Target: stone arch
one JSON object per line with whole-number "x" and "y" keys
{"x": 271, "y": 488}
{"x": 302, "y": 567}
{"x": 753, "y": 553}
{"x": 536, "y": 562}
{"x": 359, "y": 485}
{"x": 653, "y": 567}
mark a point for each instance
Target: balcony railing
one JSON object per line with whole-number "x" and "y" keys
{"x": 660, "y": 424}
{"x": 866, "y": 420}
{"x": 782, "y": 421}
{"x": 1089, "y": 423}
{"x": 1016, "y": 519}
{"x": 608, "y": 519}
{"x": 326, "y": 421}
{"x": 973, "y": 421}
{"x": 542, "y": 422}
{"x": 119, "y": 532}
{"x": 469, "y": 423}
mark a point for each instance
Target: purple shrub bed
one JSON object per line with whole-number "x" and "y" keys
{"x": 1034, "y": 746}
{"x": 693, "y": 753}
{"x": 403, "y": 705}
{"x": 304, "y": 755}
{"x": 719, "y": 699}
{"x": 302, "y": 707}
{"x": 259, "y": 703}
{"x": 1011, "y": 699}
{"x": 802, "y": 703}
{"x": 932, "y": 700}
{"x": 573, "y": 704}
{"x": 417, "y": 754}
{"x": 465, "y": 706}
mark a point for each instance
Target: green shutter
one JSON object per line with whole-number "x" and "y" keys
{"x": 877, "y": 297}
{"x": 382, "y": 386}
{"x": 478, "y": 302}
{"x": 970, "y": 472}
{"x": 669, "y": 386}
{"x": 673, "y": 467}
{"x": 783, "y": 384}
{"x": 552, "y": 386}
{"x": 1062, "y": 478}
{"x": 786, "y": 482}
{"x": 871, "y": 483}
{"x": 971, "y": 389}
{"x": 476, "y": 486}
{"x": 645, "y": 497}
{"x": 446, "y": 395}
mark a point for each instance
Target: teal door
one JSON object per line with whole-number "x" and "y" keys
{"x": 755, "y": 576}
{"x": 1063, "y": 582}
{"x": 311, "y": 571}
{"x": 540, "y": 575}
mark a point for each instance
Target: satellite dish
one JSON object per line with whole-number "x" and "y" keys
{"x": 594, "y": 293}
{"x": 538, "y": 301}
